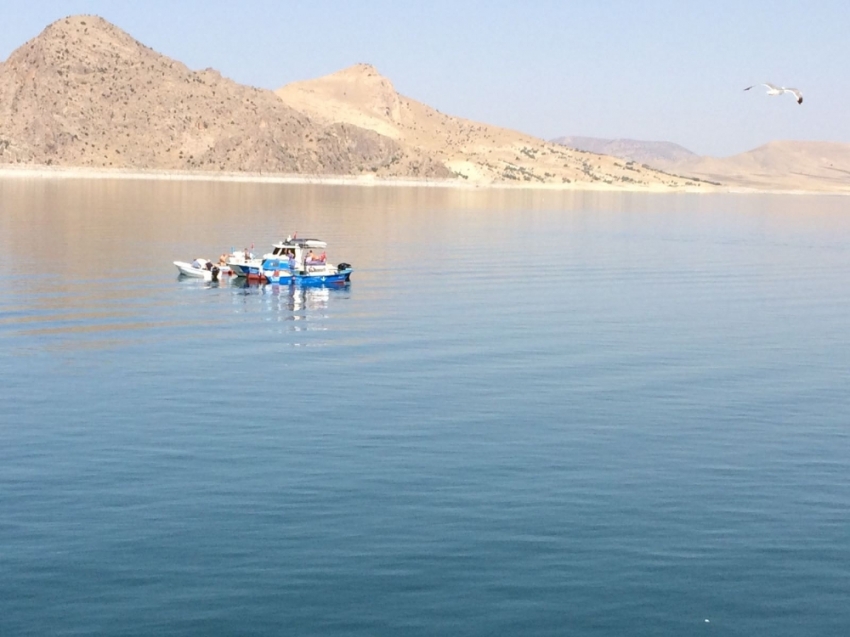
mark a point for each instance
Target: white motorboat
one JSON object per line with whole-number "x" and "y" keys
{"x": 201, "y": 269}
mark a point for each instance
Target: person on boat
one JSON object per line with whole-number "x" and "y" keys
{"x": 314, "y": 259}
{"x": 247, "y": 255}
{"x": 197, "y": 264}
{"x": 222, "y": 260}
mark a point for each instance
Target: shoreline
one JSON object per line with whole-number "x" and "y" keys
{"x": 65, "y": 172}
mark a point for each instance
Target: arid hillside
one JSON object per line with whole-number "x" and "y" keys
{"x": 85, "y": 93}
{"x": 479, "y": 153}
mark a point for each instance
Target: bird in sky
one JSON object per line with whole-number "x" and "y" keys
{"x": 779, "y": 90}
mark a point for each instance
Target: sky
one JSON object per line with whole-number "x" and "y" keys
{"x": 652, "y": 70}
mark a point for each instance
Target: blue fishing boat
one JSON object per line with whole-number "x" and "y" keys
{"x": 299, "y": 262}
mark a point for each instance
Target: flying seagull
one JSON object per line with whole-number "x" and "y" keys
{"x": 779, "y": 90}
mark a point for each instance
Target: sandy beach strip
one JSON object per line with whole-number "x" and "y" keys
{"x": 62, "y": 172}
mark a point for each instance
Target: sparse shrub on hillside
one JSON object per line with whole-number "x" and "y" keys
{"x": 528, "y": 152}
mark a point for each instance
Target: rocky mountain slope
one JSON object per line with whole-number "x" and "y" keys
{"x": 476, "y": 152}
{"x": 85, "y": 93}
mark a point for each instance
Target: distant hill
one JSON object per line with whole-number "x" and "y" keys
{"x": 632, "y": 149}
{"x": 85, "y": 93}
{"x": 790, "y": 165}
{"x": 481, "y": 153}
{"x": 785, "y": 165}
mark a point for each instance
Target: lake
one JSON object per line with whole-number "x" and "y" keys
{"x": 530, "y": 413}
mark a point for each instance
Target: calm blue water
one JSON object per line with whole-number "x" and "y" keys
{"x": 530, "y": 414}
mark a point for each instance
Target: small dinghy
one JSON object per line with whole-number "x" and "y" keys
{"x": 200, "y": 269}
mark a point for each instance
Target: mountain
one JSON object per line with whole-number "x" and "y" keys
{"x": 632, "y": 149}
{"x": 85, "y": 93}
{"x": 479, "y": 153}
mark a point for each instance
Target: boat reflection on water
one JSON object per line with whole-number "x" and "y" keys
{"x": 288, "y": 302}
{"x": 201, "y": 283}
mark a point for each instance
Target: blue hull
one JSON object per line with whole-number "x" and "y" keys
{"x": 280, "y": 280}
{"x": 306, "y": 280}
{"x": 312, "y": 280}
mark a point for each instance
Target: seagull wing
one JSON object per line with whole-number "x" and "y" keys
{"x": 771, "y": 86}
{"x": 796, "y": 93}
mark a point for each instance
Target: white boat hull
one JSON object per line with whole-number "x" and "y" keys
{"x": 187, "y": 269}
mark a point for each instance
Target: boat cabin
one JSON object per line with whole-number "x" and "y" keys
{"x": 299, "y": 253}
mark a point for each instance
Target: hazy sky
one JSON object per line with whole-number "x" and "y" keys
{"x": 655, "y": 70}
